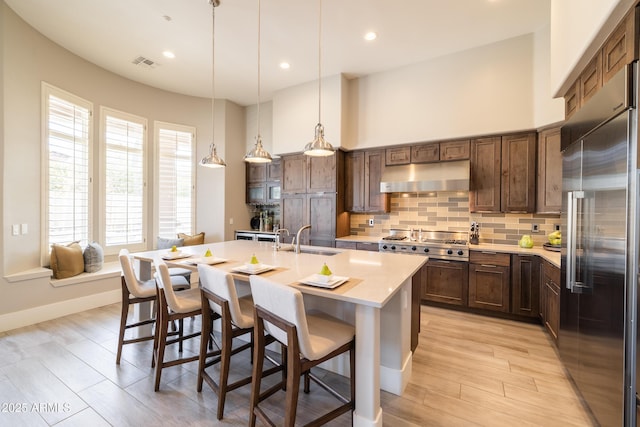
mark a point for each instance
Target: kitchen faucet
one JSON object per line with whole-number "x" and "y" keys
{"x": 297, "y": 238}
{"x": 276, "y": 243}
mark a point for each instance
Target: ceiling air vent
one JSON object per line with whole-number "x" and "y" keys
{"x": 144, "y": 62}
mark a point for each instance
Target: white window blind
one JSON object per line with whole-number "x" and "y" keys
{"x": 67, "y": 139}
{"x": 176, "y": 201}
{"x": 124, "y": 187}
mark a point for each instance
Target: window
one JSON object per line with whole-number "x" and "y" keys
{"x": 123, "y": 141}
{"x": 67, "y": 145}
{"x": 175, "y": 179}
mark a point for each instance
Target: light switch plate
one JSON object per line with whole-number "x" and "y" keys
{"x": 24, "y": 228}
{"x": 370, "y": 222}
{"x": 15, "y": 229}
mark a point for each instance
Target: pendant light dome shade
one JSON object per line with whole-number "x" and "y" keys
{"x": 319, "y": 147}
{"x": 258, "y": 154}
{"x": 213, "y": 160}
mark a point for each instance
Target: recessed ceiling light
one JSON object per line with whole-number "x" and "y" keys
{"x": 168, "y": 54}
{"x": 285, "y": 65}
{"x": 370, "y": 36}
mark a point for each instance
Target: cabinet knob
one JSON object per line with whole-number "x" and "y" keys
{"x": 460, "y": 252}
{"x": 393, "y": 248}
{"x": 449, "y": 252}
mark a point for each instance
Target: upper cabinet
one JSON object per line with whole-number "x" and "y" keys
{"x": 503, "y": 174}
{"x": 519, "y": 173}
{"x": 484, "y": 179}
{"x": 427, "y": 153}
{"x": 294, "y": 173}
{"x": 549, "y": 199}
{"x": 263, "y": 183}
{"x": 618, "y": 50}
{"x": 363, "y": 173}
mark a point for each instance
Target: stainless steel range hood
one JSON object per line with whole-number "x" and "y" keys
{"x": 443, "y": 176}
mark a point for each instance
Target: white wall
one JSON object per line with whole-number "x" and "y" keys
{"x": 29, "y": 58}
{"x": 295, "y": 114}
{"x": 578, "y": 28}
{"x": 475, "y": 92}
{"x": 266, "y": 126}
{"x": 546, "y": 109}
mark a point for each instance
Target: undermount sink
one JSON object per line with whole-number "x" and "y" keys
{"x": 319, "y": 252}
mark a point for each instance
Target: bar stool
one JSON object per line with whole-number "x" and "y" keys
{"x": 311, "y": 338}
{"x": 219, "y": 295}
{"x": 172, "y": 306}
{"x": 135, "y": 291}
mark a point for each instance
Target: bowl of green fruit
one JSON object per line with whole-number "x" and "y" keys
{"x": 325, "y": 275}
{"x": 555, "y": 238}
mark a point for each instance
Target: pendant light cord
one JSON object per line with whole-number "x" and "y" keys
{"x": 213, "y": 66}
{"x": 319, "y": 61}
{"x": 258, "y": 111}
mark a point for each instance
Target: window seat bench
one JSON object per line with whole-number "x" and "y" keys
{"x": 108, "y": 270}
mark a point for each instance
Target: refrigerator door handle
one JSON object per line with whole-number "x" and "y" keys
{"x": 572, "y": 228}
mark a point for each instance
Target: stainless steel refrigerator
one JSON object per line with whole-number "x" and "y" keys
{"x": 598, "y": 302}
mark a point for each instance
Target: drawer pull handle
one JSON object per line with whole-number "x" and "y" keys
{"x": 488, "y": 253}
{"x": 488, "y": 265}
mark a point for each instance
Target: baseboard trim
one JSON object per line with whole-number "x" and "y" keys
{"x": 43, "y": 313}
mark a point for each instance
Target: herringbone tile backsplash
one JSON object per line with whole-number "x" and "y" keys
{"x": 450, "y": 211}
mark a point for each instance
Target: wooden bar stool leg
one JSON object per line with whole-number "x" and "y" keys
{"x": 205, "y": 342}
{"x": 225, "y": 361}
{"x": 162, "y": 325}
{"x": 123, "y": 319}
{"x": 258, "y": 362}
{"x": 293, "y": 383}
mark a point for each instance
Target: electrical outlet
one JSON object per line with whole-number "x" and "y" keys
{"x": 556, "y": 227}
{"x": 535, "y": 228}
{"x": 24, "y": 228}
{"x": 230, "y": 221}
{"x": 370, "y": 222}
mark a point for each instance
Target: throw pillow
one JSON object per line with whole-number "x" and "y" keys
{"x": 196, "y": 239}
{"x": 93, "y": 257}
{"x": 164, "y": 243}
{"x": 66, "y": 261}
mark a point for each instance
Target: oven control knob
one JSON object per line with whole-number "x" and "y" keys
{"x": 393, "y": 248}
{"x": 413, "y": 248}
{"x": 460, "y": 252}
{"x": 449, "y": 252}
{"x": 426, "y": 250}
{"x": 384, "y": 247}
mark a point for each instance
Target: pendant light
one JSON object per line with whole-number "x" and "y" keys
{"x": 213, "y": 160}
{"x": 319, "y": 147}
{"x": 258, "y": 154}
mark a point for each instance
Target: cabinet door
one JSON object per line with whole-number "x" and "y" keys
{"x": 446, "y": 282}
{"x": 571, "y": 100}
{"x": 552, "y": 319}
{"x": 354, "y": 181}
{"x": 341, "y": 244}
{"x": 591, "y": 78}
{"x": 519, "y": 173}
{"x": 374, "y": 200}
{"x": 273, "y": 192}
{"x": 293, "y": 213}
{"x": 322, "y": 174}
{"x": 525, "y": 285}
{"x": 484, "y": 191}
{"x": 454, "y": 150}
{"x": 425, "y": 153}
{"x": 549, "y": 198}
{"x": 294, "y": 174}
{"x": 256, "y": 172}
{"x": 618, "y": 50}
{"x": 489, "y": 287}
{"x": 398, "y": 156}
{"x": 274, "y": 170}
{"x": 365, "y": 246}
{"x": 322, "y": 217}
{"x": 256, "y": 194}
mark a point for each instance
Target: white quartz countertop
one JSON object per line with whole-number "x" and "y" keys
{"x": 552, "y": 257}
{"x": 375, "y": 276}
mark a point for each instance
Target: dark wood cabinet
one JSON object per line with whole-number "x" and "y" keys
{"x": 425, "y": 153}
{"x": 360, "y": 246}
{"x": 590, "y": 80}
{"x": 312, "y": 193}
{"x": 454, "y": 150}
{"x": 263, "y": 183}
{"x": 446, "y": 282}
{"x": 571, "y": 100}
{"x": 620, "y": 48}
{"x": 525, "y": 285}
{"x": 489, "y": 281}
{"x": 398, "y": 156}
{"x": 416, "y": 281}
{"x": 550, "y": 299}
{"x": 519, "y": 173}
{"x": 294, "y": 174}
{"x": 549, "y": 199}
{"x": 363, "y": 173}
{"x": 485, "y": 164}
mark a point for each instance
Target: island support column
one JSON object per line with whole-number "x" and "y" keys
{"x": 368, "y": 412}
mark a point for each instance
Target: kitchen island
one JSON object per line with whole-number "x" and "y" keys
{"x": 376, "y": 299}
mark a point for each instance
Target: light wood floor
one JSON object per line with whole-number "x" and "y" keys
{"x": 467, "y": 370}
